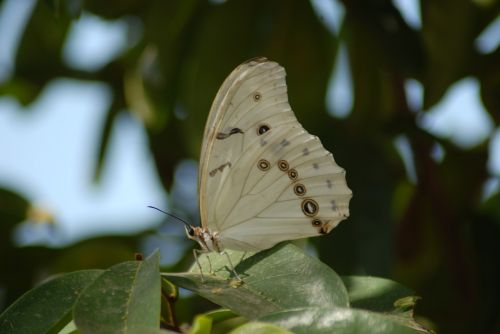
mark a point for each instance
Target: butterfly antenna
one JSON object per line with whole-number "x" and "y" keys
{"x": 171, "y": 215}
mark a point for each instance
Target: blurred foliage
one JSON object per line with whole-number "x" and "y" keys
{"x": 437, "y": 236}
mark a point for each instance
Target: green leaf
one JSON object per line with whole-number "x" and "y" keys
{"x": 124, "y": 298}
{"x": 224, "y": 320}
{"x": 374, "y": 293}
{"x": 337, "y": 320}
{"x": 169, "y": 295}
{"x": 259, "y": 328}
{"x": 70, "y": 328}
{"x": 215, "y": 322}
{"x": 277, "y": 279}
{"x": 220, "y": 314}
{"x": 46, "y": 308}
{"x": 201, "y": 325}
{"x": 383, "y": 295}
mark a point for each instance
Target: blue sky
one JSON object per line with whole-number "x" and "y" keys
{"x": 48, "y": 154}
{"x": 49, "y": 151}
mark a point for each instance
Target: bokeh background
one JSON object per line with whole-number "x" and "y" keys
{"x": 103, "y": 104}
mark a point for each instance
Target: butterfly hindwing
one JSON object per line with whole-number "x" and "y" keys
{"x": 263, "y": 178}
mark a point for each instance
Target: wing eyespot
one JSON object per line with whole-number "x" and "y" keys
{"x": 293, "y": 174}
{"x": 316, "y": 222}
{"x": 299, "y": 189}
{"x": 263, "y": 128}
{"x": 310, "y": 207}
{"x": 283, "y": 165}
{"x": 263, "y": 165}
{"x": 257, "y": 96}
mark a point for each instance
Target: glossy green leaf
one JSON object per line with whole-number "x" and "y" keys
{"x": 280, "y": 278}
{"x": 259, "y": 328}
{"x": 124, "y": 298}
{"x": 201, "y": 325}
{"x": 46, "y": 308}
{"x": 224, "y": 320}
{"x": 374, "y": 293}
{"x": 70, "y": 328}
{"x": 329, "y": 320}
{"x": 383, "y": 295}
{"x": 220, "y": 314}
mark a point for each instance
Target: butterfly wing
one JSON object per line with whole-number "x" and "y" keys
{"x": 263, "y": 178}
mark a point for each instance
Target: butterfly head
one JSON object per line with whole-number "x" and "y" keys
{"x": 192, "y": 232}
{"x": 209, "y": 241}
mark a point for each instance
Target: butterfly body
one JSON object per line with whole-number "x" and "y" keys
{"x": 209, "y": 241}
{"x": 263, "y": 178}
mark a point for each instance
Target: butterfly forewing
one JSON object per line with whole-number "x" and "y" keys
{"x": 233, "y": 103}
{"x": 263, "y": 178}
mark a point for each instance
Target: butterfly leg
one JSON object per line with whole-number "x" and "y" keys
{"x": 195, "y": 253}
{"x": 232, "y": 266}
{"x": 210, "y": 270}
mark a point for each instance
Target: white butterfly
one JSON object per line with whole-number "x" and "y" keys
{"x": 263, "y": 179}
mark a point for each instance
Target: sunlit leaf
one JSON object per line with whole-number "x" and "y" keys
{"x": 280, "y": 278}
{"x": 259, "y": 328}
{"x": 124, "y": 298}
{"x": 47, "y": 307}
{"x": 374, "y": 293}
{"x": 337, "y": 320}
